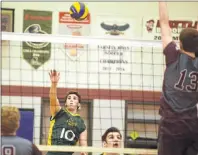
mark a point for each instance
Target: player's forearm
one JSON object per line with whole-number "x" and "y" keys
{"x": 163, "y": 13}
{"x": 53, "y": 93}
{"x": 83, "y": 138}
{"x": 83, "y": 142}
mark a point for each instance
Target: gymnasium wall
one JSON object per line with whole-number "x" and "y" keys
{"x": 84, "y": 73}
{"x": 130, "y": 9}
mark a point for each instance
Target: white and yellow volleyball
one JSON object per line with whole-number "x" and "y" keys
{"x": 79, "y": 11}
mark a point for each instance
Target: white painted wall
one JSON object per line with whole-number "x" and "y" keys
{"x": 107, "y": 113}
{"x": 132, "y": 9}
{"x": 85, "y": 73}
{"x": 144, "y": 67}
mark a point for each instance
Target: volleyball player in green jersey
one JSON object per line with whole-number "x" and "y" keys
{"x": 66, "y": 125}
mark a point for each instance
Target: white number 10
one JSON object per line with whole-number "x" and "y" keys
{"x": 64, "y": 134}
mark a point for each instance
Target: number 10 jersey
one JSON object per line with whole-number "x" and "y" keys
{"x": 65, "y": 129}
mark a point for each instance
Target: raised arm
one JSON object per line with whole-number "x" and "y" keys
{"x": 54, "y": 103}
{"x": 164, "y": 24}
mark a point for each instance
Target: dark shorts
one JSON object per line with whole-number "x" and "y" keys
{"x": 178, "y": 136}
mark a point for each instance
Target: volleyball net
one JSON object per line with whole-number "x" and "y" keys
{"x": 120, "y": 81}
{"x": 97, "y": 150}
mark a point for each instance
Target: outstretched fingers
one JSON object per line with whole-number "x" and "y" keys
{"x": 54, "y": 73}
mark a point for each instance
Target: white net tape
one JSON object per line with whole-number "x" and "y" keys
{"x": 79, "y": 39}
{"x": 98, "y": 150}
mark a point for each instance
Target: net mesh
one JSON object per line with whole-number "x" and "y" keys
{"x": 119, "y": 80}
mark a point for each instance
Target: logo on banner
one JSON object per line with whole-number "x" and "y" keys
{"x": 152, "y": 30}
{"x": 69, "y": 26}
{"x": 37, "y": 22}
{"x": 114, "y": 29}
{"x": 36, "y": 28}
{"x": 114, "y": 58}
{"x": 150, "y": 25}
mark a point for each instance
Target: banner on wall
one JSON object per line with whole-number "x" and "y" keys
{"x": 117, "y": 58}
{"x": 69, "y": 26}
{"x": 39, "y": 22}
{"x": 7, "y": 20}
{"x": 151, "y": 27}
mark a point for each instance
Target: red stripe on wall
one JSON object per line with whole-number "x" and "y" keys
{"x": 7, "y": 90}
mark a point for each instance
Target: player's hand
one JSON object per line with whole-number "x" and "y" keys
{"x": 83, "y": 153}
{"x": 54, "y": 76}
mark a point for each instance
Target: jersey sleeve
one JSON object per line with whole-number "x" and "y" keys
{"x": 58, "y": 114}
{"x": 82, "y": 126}
{"x": 171, "y": 53}
{"x": 35, "y": 150}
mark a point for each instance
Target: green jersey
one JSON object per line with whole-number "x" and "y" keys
{"x": 65, "y": 129}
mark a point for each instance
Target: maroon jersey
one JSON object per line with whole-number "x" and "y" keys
{"x": 180, "y": 86}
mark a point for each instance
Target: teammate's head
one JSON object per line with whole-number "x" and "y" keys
{"x": 112, "y": 138}
{"x": 189, "y": 40}
{"x": 10, "y": 120}
{"x": 72, "y": 101}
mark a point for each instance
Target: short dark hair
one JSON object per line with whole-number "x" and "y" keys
{"x": 73, "y": 92}
{"x": 151, "y": 21}
{"x": 111, "y": 129}
{"x": 189, "y": 39}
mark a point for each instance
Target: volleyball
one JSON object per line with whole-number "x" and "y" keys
{"x": 78, "y": 11}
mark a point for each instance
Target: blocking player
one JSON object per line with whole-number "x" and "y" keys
{"x": 178, "y": 129}
{"x": 10, "y": 143}
{"x": 111, "y": 139}
{"x": 66, "y": 125}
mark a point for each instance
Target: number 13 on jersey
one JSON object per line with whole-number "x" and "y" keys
{"x": 193, "y": 76}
